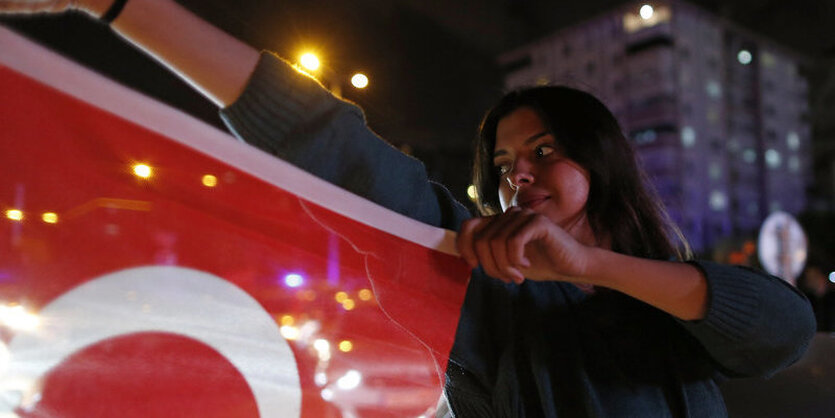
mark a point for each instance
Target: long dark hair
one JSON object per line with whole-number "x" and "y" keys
{"x": 621, "y": 203}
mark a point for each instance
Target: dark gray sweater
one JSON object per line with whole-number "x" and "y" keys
{"x": 542, "y": 348}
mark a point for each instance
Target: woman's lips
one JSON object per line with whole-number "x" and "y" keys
{"x": 533, "y": 201}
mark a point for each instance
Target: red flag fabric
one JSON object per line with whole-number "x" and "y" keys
{"x": 151, "y": 265}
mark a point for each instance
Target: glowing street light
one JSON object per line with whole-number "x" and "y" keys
{"x": 365, "y": 294}
{"x": 340, "y": 297}
{"x": 209, "y": 180}
{"x": 310, "y": 61}
{"x": 50, "y": 217}
{"x": 17, "y": 317}
{"x": 14, "y": 214}
{"x": 294, "y": 280}
{"x": 646, "y": 12}
{"x": 359, "y": 80}
{"x": 142, "y": 170}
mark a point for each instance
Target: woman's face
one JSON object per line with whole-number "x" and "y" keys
{"x": 535, "y": 174}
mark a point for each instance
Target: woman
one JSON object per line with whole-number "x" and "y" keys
{"x": 574, "y": 307}
{"x": 565, "y": 202}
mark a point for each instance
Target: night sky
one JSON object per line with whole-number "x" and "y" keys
{"x": 431, "y": 62}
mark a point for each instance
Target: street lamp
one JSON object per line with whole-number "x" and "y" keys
{"x": 359, "y": 80}
{"x": 309, "y": 61}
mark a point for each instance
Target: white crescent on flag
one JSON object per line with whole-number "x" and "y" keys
{"x": 165, "y": 299}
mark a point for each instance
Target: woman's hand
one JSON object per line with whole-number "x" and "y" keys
{"x": 95, "y": 8}
{"x": 521, "y": 244}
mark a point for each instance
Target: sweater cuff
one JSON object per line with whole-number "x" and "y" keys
{"x": 277, "y": 99}
{"x": 733, "y": 302}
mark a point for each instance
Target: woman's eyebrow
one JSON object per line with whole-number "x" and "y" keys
{"x": 532, "y": 138}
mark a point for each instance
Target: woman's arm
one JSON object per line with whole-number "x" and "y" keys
{"x": 521, "y": 244}
{"x": 291, "y": 116}
{"x": 283, "y": 112}
{"x": 751, "y": 323}
{"x": 211, "y": 61}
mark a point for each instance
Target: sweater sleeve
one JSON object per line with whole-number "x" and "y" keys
{"x": 756, "y": 324}
{"x": 291, "y": 116}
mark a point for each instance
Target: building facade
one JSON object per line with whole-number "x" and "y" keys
{"x": 717, "y": 114}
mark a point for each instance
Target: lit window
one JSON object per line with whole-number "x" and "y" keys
{"x": 718, "y": 200}
{"x": 714, "y": 89}
{"x": 772, "y": 158}
{"x": 744, "y": 57}
{"x": 793, "y": 140}
{"x": 688, "y": 136}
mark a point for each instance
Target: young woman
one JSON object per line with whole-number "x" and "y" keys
{"x": 579, "y": 303}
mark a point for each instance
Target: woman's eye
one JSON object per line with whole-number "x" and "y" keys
{"x": 543, "y": 151}
{"x": 502, "y": 169}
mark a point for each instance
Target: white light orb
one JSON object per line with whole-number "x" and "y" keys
{"x": 688, "y": 136}
{"x": 359, "y": 81}
{"x": 793, "y": 140}
{"x": 744, "y": 57}
{"x": 646, "y": 12}
{"x": 772, "y": 158}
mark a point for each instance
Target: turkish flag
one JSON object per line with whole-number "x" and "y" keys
{"x": 151, "y": 265}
